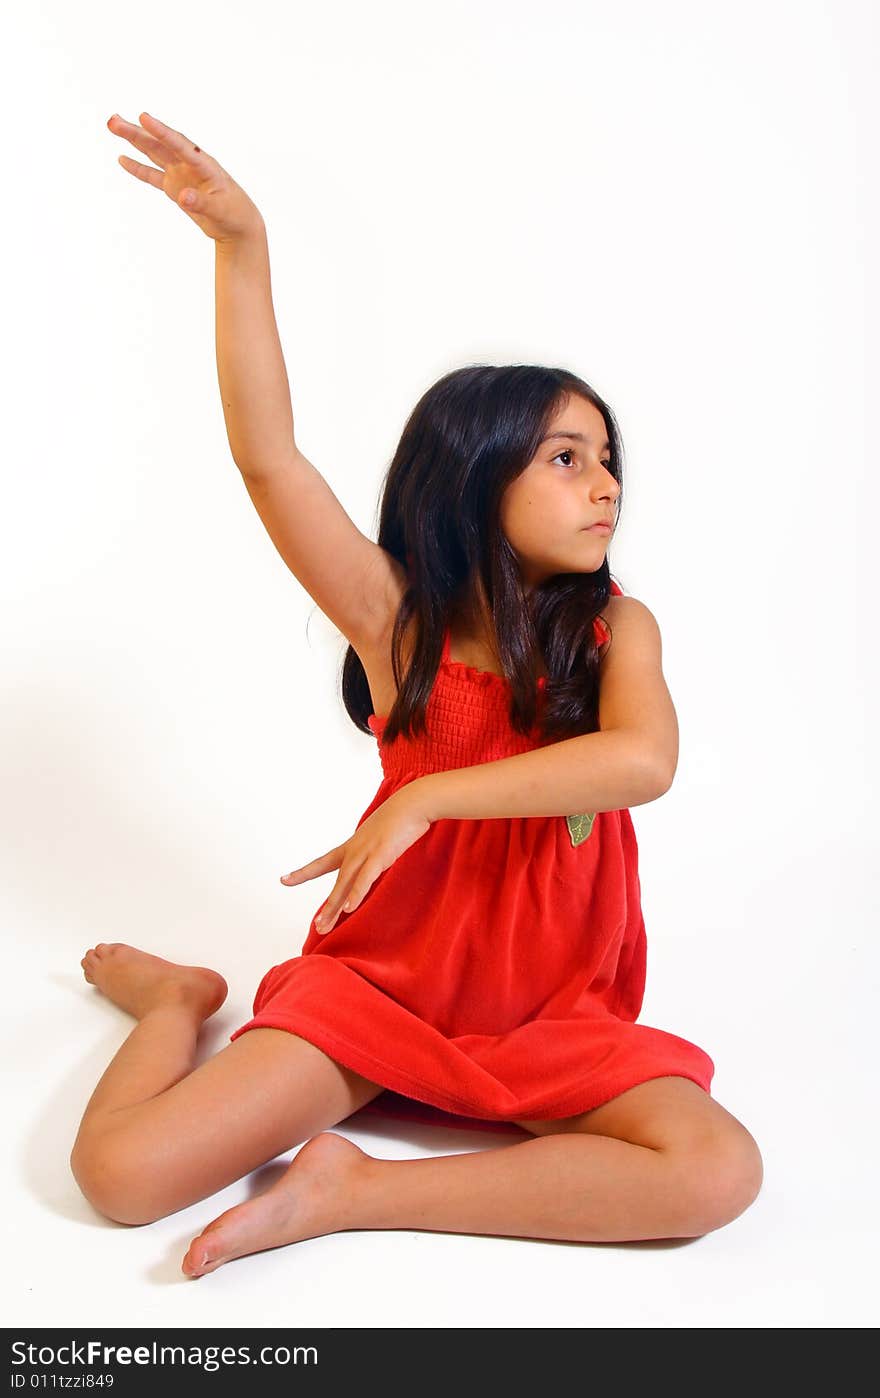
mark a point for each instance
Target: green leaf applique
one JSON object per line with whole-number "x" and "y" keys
{"x": 579, "y": 827}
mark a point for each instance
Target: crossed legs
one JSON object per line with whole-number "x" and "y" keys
{"x": 661, "y": 1160}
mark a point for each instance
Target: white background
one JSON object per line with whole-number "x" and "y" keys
{"x": 679, "y": 203}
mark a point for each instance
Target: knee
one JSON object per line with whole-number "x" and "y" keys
{"x": 111, "y": 1178}
{"x": 720, "y": 1179}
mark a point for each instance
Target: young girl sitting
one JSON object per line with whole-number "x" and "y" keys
{"x": 482, "y": 950}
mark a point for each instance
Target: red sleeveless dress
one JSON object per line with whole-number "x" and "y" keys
{"x": 496, "y": 969}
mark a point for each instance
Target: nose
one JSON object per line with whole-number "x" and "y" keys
{"x": 605, "y": 485}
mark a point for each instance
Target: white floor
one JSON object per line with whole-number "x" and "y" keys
{"x": 799, "y": 1076}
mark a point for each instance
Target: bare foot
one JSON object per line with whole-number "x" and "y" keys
{"x": 137, "y": 981}
{"x": 311, "y": 1198}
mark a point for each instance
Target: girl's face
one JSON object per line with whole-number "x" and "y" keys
{"x": 547, "y": 511}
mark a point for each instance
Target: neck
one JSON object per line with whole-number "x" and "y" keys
{"x": 472, "y": 616}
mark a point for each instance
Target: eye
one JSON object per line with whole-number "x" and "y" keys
{"x": 569, "y": 451}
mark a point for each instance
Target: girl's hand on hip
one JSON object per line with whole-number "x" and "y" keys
{"x": 374, "y": 846}
{"x": 190, "y": 177}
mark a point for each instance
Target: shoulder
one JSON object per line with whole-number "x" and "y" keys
{"x": 632, "y": 623}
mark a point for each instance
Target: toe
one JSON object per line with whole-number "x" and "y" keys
{"x": 199, "y": 1258}
{"x": 204, "y": 1251}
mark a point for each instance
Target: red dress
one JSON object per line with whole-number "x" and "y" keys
{"x": 495, "y": 970}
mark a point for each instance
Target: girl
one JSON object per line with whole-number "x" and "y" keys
{"x": 482, "y": 950}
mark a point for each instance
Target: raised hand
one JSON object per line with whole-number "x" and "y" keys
{"x": 190, "y": 177}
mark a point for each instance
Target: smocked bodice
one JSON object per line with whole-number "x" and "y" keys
{"x": 467, "y": 721}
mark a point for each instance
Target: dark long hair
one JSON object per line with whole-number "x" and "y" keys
{"x": 470, "y": 434}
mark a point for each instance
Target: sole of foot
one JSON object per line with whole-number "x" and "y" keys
{"x": 312, "y": 1197}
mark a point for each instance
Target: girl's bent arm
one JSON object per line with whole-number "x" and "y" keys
{"x": 352, "y": 579}
{"x": 603, "y": 771}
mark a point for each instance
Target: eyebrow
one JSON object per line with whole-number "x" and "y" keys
{"x": 575, "y": 437}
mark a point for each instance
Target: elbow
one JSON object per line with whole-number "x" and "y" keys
{"x": 660, "y": 761}
{"x": 648, "y": 771}
{"x": 664, "y": 774}
{"x": 658, "y": 771}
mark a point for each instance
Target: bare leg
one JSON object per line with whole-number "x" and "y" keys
{"x": 157, "y": 1135}
{"x": 662, "y": 1159}
{"x": 170, "y": 1001}
{"x": 584, "y": 1189}
{"x": 573, "y": 1185}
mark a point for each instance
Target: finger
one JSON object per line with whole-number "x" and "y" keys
{"x": 298, "y": 875}
{"x": 142, "y": 140}
{"x": 295, "y": 877}
{"x": 142, "y": 172}
{"x": 331, "y": 860}
{"x": 180, "y": 145}
{"x": 344, "y": 898}
{"x": 356, "y": 894}
{"x": 326, "y": 918}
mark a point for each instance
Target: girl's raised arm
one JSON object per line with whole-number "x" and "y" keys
{"x": 354, "y": 581}
{"x": 351, "y": 578}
